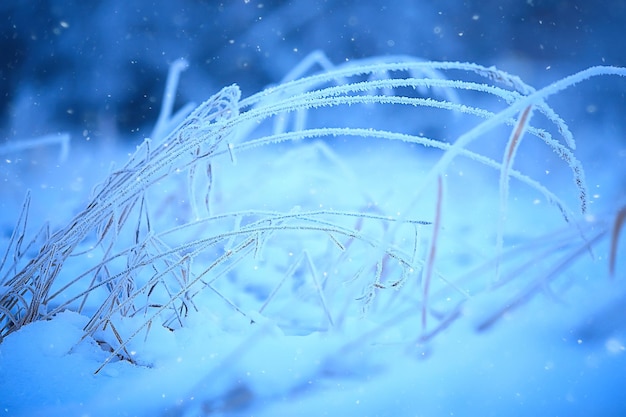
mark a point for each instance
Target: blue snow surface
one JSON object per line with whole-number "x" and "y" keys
{"x": 345, "y": 225}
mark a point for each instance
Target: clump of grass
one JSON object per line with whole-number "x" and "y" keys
{"x": 142, "y": 249}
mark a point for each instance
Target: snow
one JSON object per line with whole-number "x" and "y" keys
{"x": 561, "y": 357}
{"x": 532, "y": 363}
{"x": 544, "y": 335}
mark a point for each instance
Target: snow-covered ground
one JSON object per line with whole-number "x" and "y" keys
{"x": 317, "y": 297}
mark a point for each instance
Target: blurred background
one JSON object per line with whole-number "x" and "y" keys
{"x": 97, "y": 68}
